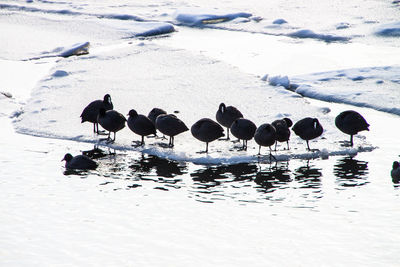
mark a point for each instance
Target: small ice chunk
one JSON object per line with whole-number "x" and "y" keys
{"x": 280, "y": 81}
{"x": 76, "y": 50}
{"x": 60, "y": 73}
{"x": 342, "y": 25}
{"x": 199, "y": 18}
{"x": 163, "y": 28}
{"x": 312, "y": 35}
{"x": 279, "y": 21}
{"x": 264, "y": 78}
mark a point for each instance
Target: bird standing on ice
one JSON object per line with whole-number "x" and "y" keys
{"x": 308, "y": 129}
{"x": 112, "y": 121}
{"x": 170, "y": 125}
{"x": 207, "y": 130}
{"x": 265, "y": 136}
{"x": 226, "y": 115}
{"x": 91, "y": 111}
{"x": 243, "y": 129}
{"x": 140, "y": 125}
{"x": 282, "y": 130}
{"x": 351, "y": 122}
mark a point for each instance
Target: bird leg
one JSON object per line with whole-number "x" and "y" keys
{"x": 287, "y": 142}
{"x": 351, "y": 140}
{"x": 308, "y": 147}
{"x": 271, "y": 156}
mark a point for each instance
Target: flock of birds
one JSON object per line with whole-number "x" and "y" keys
{"x": 207, "y": 130}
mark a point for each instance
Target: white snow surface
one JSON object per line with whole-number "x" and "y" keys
{"x": 375, "y": 87}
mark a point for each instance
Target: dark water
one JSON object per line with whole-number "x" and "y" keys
{"x": 243, "y": 182}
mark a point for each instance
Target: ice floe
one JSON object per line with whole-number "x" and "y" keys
{"x": 147, "y": 76}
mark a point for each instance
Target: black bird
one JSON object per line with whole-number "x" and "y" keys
{"x": 226, "y": 115}
{"x": 140, "y": 124}
{"x": 111, "y": 120}
{"x": 170, "y": 125}
{"x": 307, "y": 129}
{"x": 351, "y": 122}
{"x": 243, "y": 129}
{"x": 80, "y": 162}
{"x": 265, "y": 135}
{"x": 395, "y": 173}
{"x": 282, "y": 130}
{"x": 207, "y": 130}
{"x": 91, "y": 111}
{"x": 154, "y": 113}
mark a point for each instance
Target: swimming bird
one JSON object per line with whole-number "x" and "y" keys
{"x": 140, "y": 124}
{"x": 207, "y": 130}
{"x": 111, "y": 120}
{"x": 243, "y": 129}
{"x": 226, "y": 115}
{"x": 265, "y": 135}
{"x": 307, "y": 129}
{"x": 282, "y": 130}
{"x": 170, "y": 125}
{"x": 80, "y": 162}
{"x": 351, "y": 122}
{"x": 395, "y": 173}
{"x": 91, "y": 111}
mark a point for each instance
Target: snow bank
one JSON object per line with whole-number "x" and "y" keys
{"x": 193, "y": 17}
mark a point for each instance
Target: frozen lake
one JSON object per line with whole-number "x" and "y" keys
{"x": 151, "y": 205}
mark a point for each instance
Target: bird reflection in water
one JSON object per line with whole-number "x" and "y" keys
{"x": 309, "y": 179}
{"x": 351, "y": 172}
{"x": 273, "y": 178}
{"x": 221, "y": 182}
{"x": 153, "y": 168}
{"x": 308, "y": 176}
{"x": 211, "y": 175}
